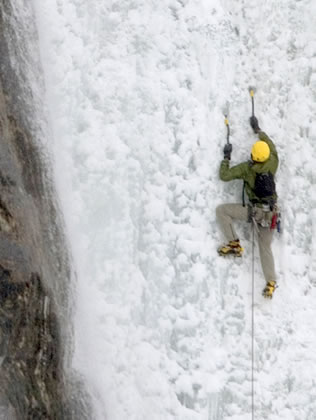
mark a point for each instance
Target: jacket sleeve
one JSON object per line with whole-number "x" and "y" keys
{"x": 273, "y": 151}
{"x": 236, "y": 172}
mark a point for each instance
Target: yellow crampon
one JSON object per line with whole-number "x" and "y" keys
{"x": 232, "y": 248}
{"x": 269, "y": 289}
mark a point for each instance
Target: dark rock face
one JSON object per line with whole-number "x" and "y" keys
{"x": 31, "y": 372}
{"x": 35, "y": 280}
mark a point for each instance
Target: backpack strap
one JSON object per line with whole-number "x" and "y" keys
{"x": 250, "y": 163}
{"x": 243, "y": 194}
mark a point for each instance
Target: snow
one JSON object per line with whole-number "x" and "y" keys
{"x": 136, "y": 92}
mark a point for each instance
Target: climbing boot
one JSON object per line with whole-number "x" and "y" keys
{"x": 269, "y": 289}
{"x": 232, "y": 248}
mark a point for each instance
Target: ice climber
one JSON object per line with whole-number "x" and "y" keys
{"x": 258, "y": 176}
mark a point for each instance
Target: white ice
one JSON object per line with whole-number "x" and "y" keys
{"x": 136, "y": 91}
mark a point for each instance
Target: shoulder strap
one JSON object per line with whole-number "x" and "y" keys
{"x": 250, "y": 163}
{"x": 243, "y": 195}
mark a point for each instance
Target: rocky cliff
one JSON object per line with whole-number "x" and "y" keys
{"x": 35, "y": 279}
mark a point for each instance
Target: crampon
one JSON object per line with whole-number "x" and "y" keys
{"x": 232, "y": 248}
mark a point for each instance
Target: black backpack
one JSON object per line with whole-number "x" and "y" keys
{"x": 264, "y": 186}
{"x": 264, "y": 189}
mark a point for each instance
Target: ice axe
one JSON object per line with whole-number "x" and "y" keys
{"x": 228, "y": 128}
{"x": 228, "y": 146}
{"x": 252, "y": 94}
{"x": 253, "y": 119}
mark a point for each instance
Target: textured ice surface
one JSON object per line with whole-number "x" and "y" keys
{"x": 137, "y": 91}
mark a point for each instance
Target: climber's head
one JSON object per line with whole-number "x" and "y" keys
{"x": 260, "y": 151}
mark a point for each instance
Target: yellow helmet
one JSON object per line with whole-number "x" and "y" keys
{"x": 260, "y": 151}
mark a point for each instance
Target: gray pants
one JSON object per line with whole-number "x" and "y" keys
{"x": 226, "y": 213}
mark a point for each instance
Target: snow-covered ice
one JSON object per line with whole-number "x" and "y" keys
{"x": 136, "y": 91}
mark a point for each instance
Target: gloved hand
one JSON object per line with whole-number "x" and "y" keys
{"x": 254, "y": 124}
{"x": 228, "y": 148}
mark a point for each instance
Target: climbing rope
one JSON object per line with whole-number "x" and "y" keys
{"x": 254, "y": 226}
{"x": 253, "y": 325}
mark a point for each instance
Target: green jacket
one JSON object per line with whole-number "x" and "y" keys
{"x": 248, "y": 170}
